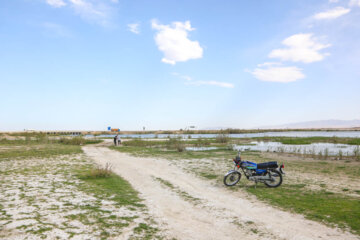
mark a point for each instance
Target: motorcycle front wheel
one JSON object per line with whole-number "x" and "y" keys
{"x": 232, "y": 178}
{"x": 277, "y": 179}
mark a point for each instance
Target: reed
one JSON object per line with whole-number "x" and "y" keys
{"x": 340, "y": 155}
{"x": 222, "y": 138}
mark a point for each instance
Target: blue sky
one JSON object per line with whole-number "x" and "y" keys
{"x": 89, "y": 64}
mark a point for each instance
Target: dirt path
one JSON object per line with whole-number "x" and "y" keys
{"x": 192, "y": 208}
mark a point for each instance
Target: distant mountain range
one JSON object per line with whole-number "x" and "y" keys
{"x": 332, "y": 123}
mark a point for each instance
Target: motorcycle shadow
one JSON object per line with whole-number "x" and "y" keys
{"x": 246, "y": 186}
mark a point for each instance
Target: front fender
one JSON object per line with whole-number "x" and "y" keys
{"x": 230, "y": 171}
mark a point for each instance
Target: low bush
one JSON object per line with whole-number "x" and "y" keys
{"x": 142, "y": 143}
{"x": 222, "y": 138}
{"x": 176, "y": 143}
{"x": 78, "y": 141}
{"x": 101, "y": 172}
{"x": 72, "y": 141}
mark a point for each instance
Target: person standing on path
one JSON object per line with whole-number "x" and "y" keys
{"x": 116, "y": 140}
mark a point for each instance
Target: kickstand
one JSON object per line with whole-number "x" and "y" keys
{"x": 255, "y": 184}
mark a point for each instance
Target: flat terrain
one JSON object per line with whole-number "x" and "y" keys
{"x": 56, "y": 189}
{"x": 189, "y": 207}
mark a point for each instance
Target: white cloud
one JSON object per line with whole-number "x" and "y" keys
{"x": 187, "y": 78}
{"x": 96, "y": 11}
{"x": 332, "y": 13}
{"x": 266, "y": 64}
{"x": 333, "y": 1}
{"x": 300, "y": 48}
{"x": 278, "y": 74}
{"x": 190, "y": 81}
{"x": 173, "y": 41}
{"x": 56, "y": 3}
{"x": 354, "y": 3}
{"x": 56, "y": 30}
{"x": 134, "y": 28}
{"x": 213, "y": 83}
{"x": 91, "y": 11}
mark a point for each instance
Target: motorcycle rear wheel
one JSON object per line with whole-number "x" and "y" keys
{"x": 278, "y": 179}
{"x": 232, "y": 178}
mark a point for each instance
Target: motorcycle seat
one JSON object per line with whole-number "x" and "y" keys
{"x": 267, "y": 165}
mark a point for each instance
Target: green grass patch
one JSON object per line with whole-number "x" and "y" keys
{"x": 44, "y": 139}
{"x": 112, "y": 186}
{"x": 41, "y": 147}
{"x": 323, "y": 206}
{"x": 39, "y": 151}
{"x": 208, "y": 175}
{"x": 146, "y": 231}
{"x": 78, "y": 141}
{"x": 349, "y": 169}
{"x": 173, "y": 154}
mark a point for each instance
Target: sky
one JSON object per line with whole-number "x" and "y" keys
{"x": 166, "y": 64}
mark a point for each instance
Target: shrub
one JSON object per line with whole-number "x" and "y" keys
{"x": 340, "y": 155}
{"x": 102, "y": 172}
{"x": 357, "y": 153}
{"x": 326, "y": 153}
{"x": 222, "y": 138}
{"x": 176, "y": 143}
{"x": 72, "y": 141}
{"x": 202, "y": 142}
{"x": 136, "y": 143}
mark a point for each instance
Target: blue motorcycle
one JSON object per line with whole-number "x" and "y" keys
{"x": 269, "y": 173}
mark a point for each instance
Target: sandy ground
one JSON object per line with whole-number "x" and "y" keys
{"x": 42, "y": 199}
{"x": 191, "y": 208}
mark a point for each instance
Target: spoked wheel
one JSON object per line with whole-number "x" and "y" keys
{"x": 276, "y": 179}
{"x": 232, "y": 178}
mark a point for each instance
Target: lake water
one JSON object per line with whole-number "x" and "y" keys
{"x": 314, "y": 148}
{"x": 349, "y": 134}
{"x": 329, "y": 149}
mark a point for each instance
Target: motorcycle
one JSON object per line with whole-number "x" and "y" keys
{"x": 269, "y": 173}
